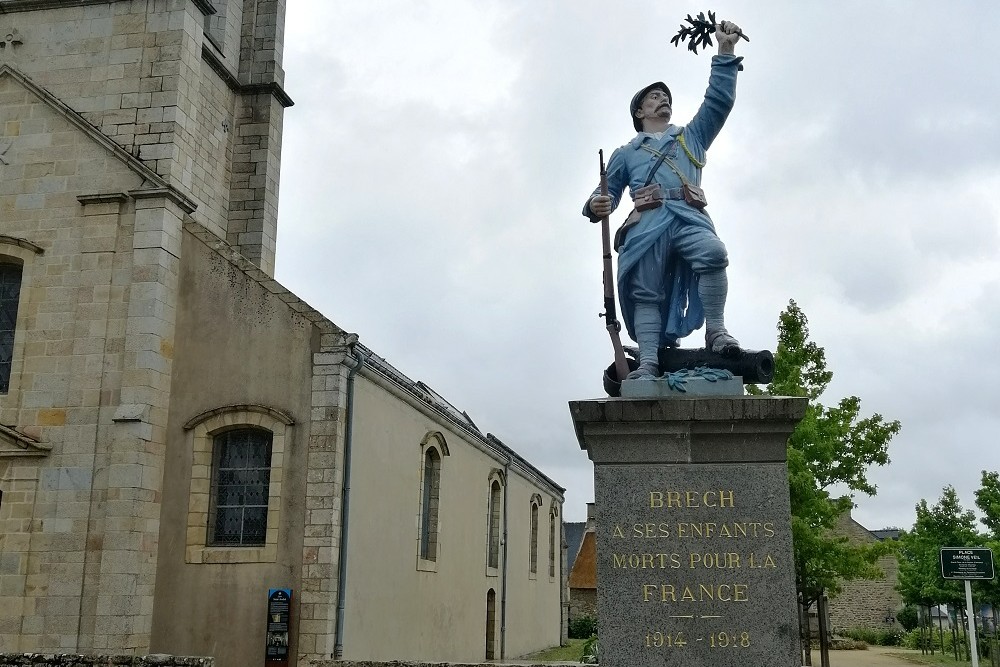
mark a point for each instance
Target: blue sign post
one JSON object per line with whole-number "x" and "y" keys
{"x": 279, "y": 611}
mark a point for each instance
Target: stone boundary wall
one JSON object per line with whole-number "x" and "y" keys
{"x": 71, "y": 660}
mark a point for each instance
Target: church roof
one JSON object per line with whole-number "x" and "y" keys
{"x": 454, "y": 416}
{"x": 422, "y": 392}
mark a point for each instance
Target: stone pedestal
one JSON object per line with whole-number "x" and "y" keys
{"x": 694, "y": 543}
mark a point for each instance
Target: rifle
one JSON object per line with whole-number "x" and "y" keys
{"x": 610, "y": 314}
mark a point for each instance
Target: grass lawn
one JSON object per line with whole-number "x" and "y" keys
{"x": 938, "y": 659}
{"x": 571, "y": 652}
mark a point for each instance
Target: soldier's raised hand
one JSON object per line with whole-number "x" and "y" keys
{"x": 727, "y": 34}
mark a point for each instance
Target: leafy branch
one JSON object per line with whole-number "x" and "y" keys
{"x": 698, "y": 34}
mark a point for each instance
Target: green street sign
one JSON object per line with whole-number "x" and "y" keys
{"x": 966, "y": 563}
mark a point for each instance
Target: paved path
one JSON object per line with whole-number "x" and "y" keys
{"x": 875, "y": 656}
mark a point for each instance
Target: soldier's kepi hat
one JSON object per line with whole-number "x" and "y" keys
{"x": 637, "y": 102}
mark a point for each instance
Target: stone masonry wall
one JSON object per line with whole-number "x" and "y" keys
{"x": 69, "y": 351}
{"x": 866, "y": 603}
{"x": 69, "y": 660}
{"x": 582, "y": 602}
{"x": 136, "y": 70}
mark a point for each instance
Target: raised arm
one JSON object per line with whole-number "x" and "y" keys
{"x": 721, "y": 94}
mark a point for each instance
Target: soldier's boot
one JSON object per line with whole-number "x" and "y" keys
{"x": 712, "y": 289}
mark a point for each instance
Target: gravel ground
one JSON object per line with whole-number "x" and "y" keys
{"x": 875, "y": 656}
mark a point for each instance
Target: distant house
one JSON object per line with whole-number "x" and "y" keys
{"x": 867, "y": 603}
{"x": 583, "y": 571}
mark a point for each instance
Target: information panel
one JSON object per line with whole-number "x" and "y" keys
{"x": 279, "y": 602}
{"x": 966, "y": 563}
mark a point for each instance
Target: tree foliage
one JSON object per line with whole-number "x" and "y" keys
{"x": 988, "y": 501}
{"x": 830, "y": 446}
{"x": 948, "y": 524}
{"x": 944, "y": 524}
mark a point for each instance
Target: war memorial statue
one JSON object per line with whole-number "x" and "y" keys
{"x": 671, "y": 262}
{"x": 694, "y": 556}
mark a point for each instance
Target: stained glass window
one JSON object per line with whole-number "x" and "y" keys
{"x": 241, "y": 477}
{"x": 10, "y": 293}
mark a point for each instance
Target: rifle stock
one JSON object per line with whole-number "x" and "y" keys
{"x": 612, "y": 324}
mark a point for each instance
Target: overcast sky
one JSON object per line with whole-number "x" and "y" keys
{"x": 439, "y": 152}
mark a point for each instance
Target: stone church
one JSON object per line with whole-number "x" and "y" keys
{"x": 180, "y": 434}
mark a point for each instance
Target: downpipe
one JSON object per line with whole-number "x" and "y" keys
{"x": 345, "y": 505}
{"x": 503, "y": 575}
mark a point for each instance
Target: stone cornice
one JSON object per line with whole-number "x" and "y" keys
{"x": 12, "y": 6}
{"x": 273, "y": 88}
{"x": 103, "y": 198}
{"x": 21, "y": 243}
{"x": 206, "y": 7}
{"x": 15, "y": 444}
{"x": 184, "y": 202}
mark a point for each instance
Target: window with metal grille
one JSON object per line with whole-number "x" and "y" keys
{"x": 10, "y": 294}
{"x": 431, "y": 496}
{"x": 241, "y": 476}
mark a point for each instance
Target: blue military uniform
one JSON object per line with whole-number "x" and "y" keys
{"x": 666, "y": 251}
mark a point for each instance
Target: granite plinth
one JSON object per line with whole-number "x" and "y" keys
{"x": 694, "y": 544}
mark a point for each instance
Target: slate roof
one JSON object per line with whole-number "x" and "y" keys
{"x": 574, "y": 538}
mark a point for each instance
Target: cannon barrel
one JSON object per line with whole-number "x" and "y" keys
{"x": 754, "y": 366}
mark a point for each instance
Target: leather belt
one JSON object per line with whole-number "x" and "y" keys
{"x": 673, "y": 193}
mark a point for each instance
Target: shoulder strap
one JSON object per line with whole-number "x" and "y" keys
{"x": 661, "y": 158}
{"x": 656, "y": 165}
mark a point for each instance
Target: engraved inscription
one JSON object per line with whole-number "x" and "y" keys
{"x": 690, "y": 499}
{"x": 696, "y": 593}
{"x": 709, "y": 560}
{"x": 660, "y": 639}
{"x": 689, "y": 529}
{"x": 698, "y": 560}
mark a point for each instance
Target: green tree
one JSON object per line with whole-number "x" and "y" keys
{"x": 988, "y": 502}
{"x": 830, "y": 446}
{"x": 945, "y": 524}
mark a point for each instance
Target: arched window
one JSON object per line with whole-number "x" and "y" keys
{"x": 430, "y": 499}
{"x": 493, "y": 520}
{"x": 491, "y": 624}
{"x": 536, "y": 501}
{"x": 241, "y": 477}
{"x": 553, "y": 521}
{"x": 433, "y": 449}
{"x": 19, "y": 266}
{"x": 237, "y": 457}
{"x": 10, "y": 296}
